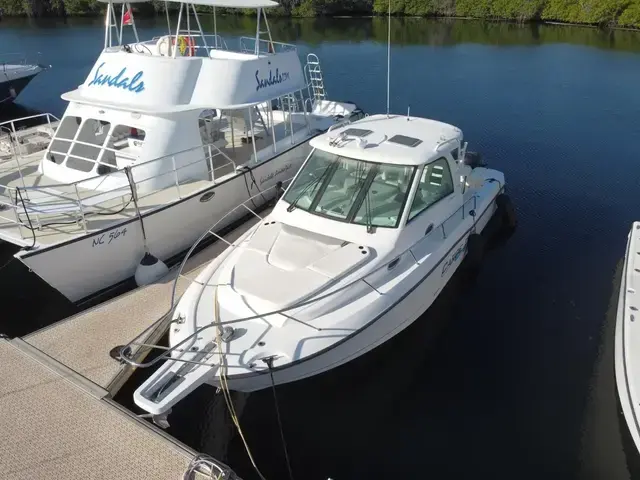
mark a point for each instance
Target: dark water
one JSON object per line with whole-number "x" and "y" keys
{"x": 510, "y": 374}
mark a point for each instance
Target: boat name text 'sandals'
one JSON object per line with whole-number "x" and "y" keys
{"x": 108, "y": 238}
{"x": 272, "y": 79}
{"x": 275, "y": 173}
{"x": 455, "y": 256}
{"x": 134, "y": 84}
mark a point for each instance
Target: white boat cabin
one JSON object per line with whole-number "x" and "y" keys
{"x": 372, "y": 182}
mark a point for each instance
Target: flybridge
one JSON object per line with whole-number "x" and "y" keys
{"x": 180, "y": 70}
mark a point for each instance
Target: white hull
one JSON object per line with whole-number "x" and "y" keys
{"x": 627, "y": 338}
{"x": 392, "y": 322}
{"x": 82, "y": 267}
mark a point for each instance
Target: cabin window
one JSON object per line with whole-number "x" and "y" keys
{"x": 454, "y": 154}
{"x": 435, "y": 184}
{"x": 88, "y": 144}
{"x": 385, "y": 198}
{"x": 350, "y": 190}
{"x": 123, "y": 143}
{"x": 210, "y": 123}
{"x": 61, "y": 142}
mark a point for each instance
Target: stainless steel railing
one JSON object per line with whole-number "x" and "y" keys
{"x": 73, "y": 201}
{"x": 265, "y": 47}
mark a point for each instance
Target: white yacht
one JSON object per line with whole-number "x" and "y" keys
{"x": 365, "y": 237}
{"x": 163, "y": 137}
{"x": 627, "y": 336}
{"x": 16, "y": 71}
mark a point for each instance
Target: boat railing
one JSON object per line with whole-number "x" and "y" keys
{"x": 204, "y": 43}
{"x": 17, "y": 58}
{"x": 129, "y": 353}
{"x": 12, "y": 128}
{"x": 33, "y": 206}
{"x": 265, "y": 47}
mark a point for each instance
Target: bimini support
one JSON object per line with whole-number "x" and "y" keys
{"x": 126, "y": 19}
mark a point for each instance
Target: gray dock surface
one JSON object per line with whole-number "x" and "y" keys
{"x": 56, "y": 428}
{"x": 57, "y": 416}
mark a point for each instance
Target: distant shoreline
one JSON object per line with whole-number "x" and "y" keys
{"x": 278, "y": 13}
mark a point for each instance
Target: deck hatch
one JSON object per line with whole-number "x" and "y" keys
{"x": 406, "y": 141}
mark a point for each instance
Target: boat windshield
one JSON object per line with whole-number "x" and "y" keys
{"x": 350, "y": 190}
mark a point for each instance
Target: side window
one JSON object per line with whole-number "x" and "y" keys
{"x": 435, "y": 184}
{"x": 210, "y": 124}
{"x": 126, "y": 138}
{"x": 125, "y": 142}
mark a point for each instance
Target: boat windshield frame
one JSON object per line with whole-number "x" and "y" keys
{"x": 315, "y": 192}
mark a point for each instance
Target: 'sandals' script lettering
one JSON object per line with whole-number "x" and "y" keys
{"x": 134, "y": 84}
{"x": 275, "y": 173}
{"x": 272, "y": 79}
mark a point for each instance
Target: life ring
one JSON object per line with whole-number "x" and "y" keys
{"x": 186, "y": 45}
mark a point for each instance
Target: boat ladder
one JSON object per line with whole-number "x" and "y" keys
{"x": 313, "y": 77}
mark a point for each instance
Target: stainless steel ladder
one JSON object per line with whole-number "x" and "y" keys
{"x": 313, "y": 76}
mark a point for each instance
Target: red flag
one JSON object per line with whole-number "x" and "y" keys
{"x": 127, "y": 19}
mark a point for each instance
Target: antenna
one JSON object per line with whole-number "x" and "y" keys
{"x": 388, "y": 57}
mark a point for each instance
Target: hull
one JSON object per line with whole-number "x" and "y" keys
{"x": 84, "y": 266}
{"x": 626, "y": 340}
{"x": 387, "y": 325}
{"x": 10, "y": 89}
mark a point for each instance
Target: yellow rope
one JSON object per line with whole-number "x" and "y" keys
{"x": 223, "y": 381}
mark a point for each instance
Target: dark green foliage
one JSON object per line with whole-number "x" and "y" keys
{"x": 595, "y": 12}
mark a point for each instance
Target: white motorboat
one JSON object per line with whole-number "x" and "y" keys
{"x": 163, "y": 137}
{"x": 16, "y": 71}
{"x": 627, "y": 336}
{"x": 368, "y": 233}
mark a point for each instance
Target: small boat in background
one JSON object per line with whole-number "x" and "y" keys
{"x": 16, "y": 71}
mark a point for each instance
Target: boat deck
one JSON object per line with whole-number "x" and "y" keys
{"x": 58, "y": 417}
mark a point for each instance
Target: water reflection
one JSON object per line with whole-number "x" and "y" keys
{"x": 405, "y": 31}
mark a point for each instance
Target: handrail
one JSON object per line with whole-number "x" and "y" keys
{"x": 54, "y": 198}
{"x": 20, "y": 60}
{"x": 443, "y": 143}
{"x": 127, "y": 352}
{"x": 22, "y": 119}
{"x": 284, "y": 47}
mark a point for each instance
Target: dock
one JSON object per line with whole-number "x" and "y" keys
{"x": 58, "y": 417}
